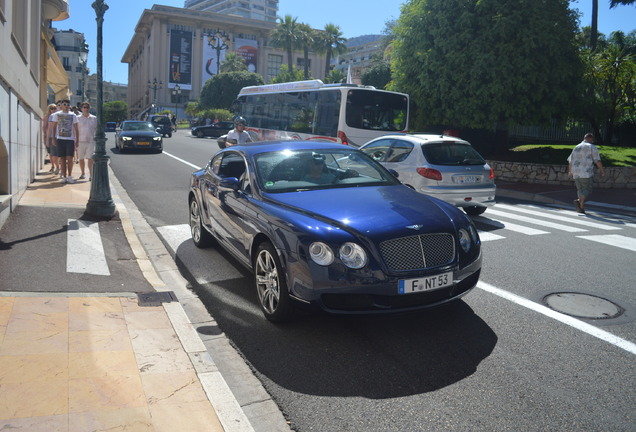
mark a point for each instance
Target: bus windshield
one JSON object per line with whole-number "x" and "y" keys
{"x": 376, "y": 110}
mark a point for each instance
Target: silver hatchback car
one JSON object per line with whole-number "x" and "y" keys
{"x": 442, "y": 166}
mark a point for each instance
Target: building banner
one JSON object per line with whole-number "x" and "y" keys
{"x": 214, "y": 49}
{"x": 180, "y": 59}
{"x": 248, "y": 49}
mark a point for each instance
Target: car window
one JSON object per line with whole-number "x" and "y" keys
{"x": 399, "y": 151}
{"x": 137, "y": 126}
{"x": 452, "y": 153}
{"x": 378, "y": 150}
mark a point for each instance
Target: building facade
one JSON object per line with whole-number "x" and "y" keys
{"x": 110, "y": 91}
{"x": 174, "y": 46}
{"x": 30, "y": 69}
{"x": 72, "y": 50}
{"x": 358, "y": 57}
{"x": 264, "y": 10}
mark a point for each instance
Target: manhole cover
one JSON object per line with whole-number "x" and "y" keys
{"x": 583, "y": 305}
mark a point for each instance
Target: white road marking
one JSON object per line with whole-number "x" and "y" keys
{"x": 84, "y": 249}
{"x": 565, "y": 319}
{"x": 613, "y": 240}
{"x": 547, "y": 215}
{"x": 535, "y": 221}
{"x": 182, "y": 161}
{"x": 509, "y": 226}
{"x": 485, "y": 236}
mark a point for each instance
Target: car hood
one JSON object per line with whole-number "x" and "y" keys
{"x": 133, "y": 134}
{"x": 374, "y": 211}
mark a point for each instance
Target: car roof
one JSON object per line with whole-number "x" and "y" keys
{"x": 422, "y": 138}
{"x": 253, "y": 148}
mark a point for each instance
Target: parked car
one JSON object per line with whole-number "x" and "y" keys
{"x": 442, "y": 166}
{"x": 324, "y": 225}
{"x": 214, "y": 130}
{"x": 110, "y": 127}
{"x": 137, "y": 134}
{"x": 162, "y": 124}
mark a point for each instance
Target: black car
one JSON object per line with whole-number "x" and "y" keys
{"x": 110, "y": 127}
{"x": 162, "y": 124}
{"x": 136, "y": 134}
{"x": 214, "y": 130}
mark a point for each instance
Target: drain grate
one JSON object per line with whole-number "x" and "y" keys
{"x": 155, "y": 298}
{"x": 583, "y": 305}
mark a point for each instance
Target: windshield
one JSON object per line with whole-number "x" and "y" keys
{"x": 376, "y": 110}
{"x": 138, "y": 126}
{"x": 292, "y": 171}
{"x": 452, "y": 153}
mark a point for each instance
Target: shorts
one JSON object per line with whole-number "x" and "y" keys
{"x": 85, "y": 150}
{"x": 584, "y": 185}
{"x": 65, "y": 148}
{"x": 52, "y": 147}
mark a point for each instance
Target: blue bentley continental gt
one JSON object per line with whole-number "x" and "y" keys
{"x": 325, "y": 225}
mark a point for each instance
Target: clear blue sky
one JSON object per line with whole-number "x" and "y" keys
{"x": 355, "y": 18}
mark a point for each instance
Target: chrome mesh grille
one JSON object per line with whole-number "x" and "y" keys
{"x": 418, "y": 251}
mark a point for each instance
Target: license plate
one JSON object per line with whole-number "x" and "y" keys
{"x": 467, "y": 179}
{"x": 143, "y": 143}
{"x": 410, "y": 286}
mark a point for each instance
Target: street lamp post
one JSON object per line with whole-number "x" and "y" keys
{"x": 176, "y": 92}
{"x": 154, "y": 86}
{"x": 83, "y": 60}
{"x": 218, "y": 41}
{"x": 100, "y": 203}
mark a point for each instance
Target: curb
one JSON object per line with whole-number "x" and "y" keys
{"x": 159, "y": 268}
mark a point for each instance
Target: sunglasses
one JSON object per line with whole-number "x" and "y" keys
{"x": 65, "y": 104}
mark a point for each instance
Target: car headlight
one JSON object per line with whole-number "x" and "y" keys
{"x": 321, "y": 253}
{"x": 353, "y": 256}
{"x": 157, "y": 138}
{"x": 464, "y": 240}
{"x": 126, "y": 138}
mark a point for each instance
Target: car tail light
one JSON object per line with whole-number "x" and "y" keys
{"x": 430, "y": 173}
{"x": 492, "y": 174}
{"x": 343, "y": 137}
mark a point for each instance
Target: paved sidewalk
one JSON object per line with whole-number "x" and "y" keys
{"x": 103, "y": 359}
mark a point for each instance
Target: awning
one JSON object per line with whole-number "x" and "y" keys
{"x": 56, "y": 76}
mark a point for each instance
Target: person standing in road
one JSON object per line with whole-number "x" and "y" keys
{"x": 174, "y": 122}
{"x": 64, "y": 124}
{"x": 86, "y": 126}
{"x": 238, "y": 135}
{"x": 581, "y": 167}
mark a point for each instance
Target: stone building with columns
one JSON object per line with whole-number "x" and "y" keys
{"x": 174, "y": 46}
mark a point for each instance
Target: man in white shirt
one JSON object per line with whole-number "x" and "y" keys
{"x": 87, "y": 125}
{"x": 238, "y": 135}
{"x": 64, "y": 124}
{"x": 581, "y": 167}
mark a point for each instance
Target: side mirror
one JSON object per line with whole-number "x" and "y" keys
{"x": 230, "y": 183}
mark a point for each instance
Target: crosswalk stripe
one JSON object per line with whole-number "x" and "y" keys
{"x": 573, "y": 220}
{"x": 485, "y": 236}
{"x": 509, "y": 226}
{"x": 535, "y": 221}
{"x": 615, "y": 240}
{"x": 84, "y": 249}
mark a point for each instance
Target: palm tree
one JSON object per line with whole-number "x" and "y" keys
{"x": 306, "y": 37}
{"x": 285, "y": 36}
{"x": 332, "y": 43}
{"x": 233, "y": 63}
{"x": 613, "y": 4}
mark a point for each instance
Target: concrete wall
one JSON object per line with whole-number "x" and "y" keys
{"x": 624, "y": 177}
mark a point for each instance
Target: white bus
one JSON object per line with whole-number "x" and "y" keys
{"x": 310, "y": 110}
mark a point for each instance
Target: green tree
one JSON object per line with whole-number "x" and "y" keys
{"x": 500, "y": 65}
{"x": 115, "y": 111}
{"x": 378, "y": 75}
{"x": 610, "y": 83}
{"x": 221, "y": 90}
{"x": 307, "y": 39}
{"x": 284, "y": 75}
{"x": 285, "y": 36}
{"x": 335, "y": 76}
{"x": 233, "y": 63}
{"x": 192, "y": 108}
{"x": 331, "y": 42}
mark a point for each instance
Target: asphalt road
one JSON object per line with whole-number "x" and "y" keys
{"x": 488, "y": 362}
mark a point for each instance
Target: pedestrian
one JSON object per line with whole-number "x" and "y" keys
{"x": 174, "y": 122}
{"x": 49, "y": 140}
{"x": 86, "y": 126}
{"x": 581, "y": 167}
{"x": 64, "y": 125}
{"x": 238, "y": 135}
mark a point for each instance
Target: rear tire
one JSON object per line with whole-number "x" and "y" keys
{"x": 200, "y": 134}
{"x": 271, "y": 286}
{"x": 200, "y": 236}
{"x": 474, "y": 210}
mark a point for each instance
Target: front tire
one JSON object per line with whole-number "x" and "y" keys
{"x": 200, "y": 236}
{"x": 474, "y": 210}
{"x": 270, "y": 283}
